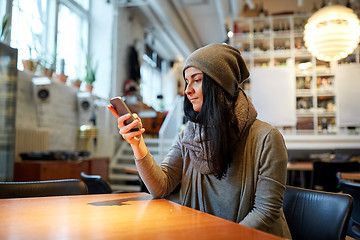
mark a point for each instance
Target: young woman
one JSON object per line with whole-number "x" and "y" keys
{"x": 229, "y": 163}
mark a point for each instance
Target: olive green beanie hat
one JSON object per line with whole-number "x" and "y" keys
{"x": 222, "y": 63}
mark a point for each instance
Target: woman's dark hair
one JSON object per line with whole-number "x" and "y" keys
{"x": 218, "y": 122}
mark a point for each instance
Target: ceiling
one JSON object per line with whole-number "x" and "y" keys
{"x": 181, "y": 26}
{"x": 178, "y": 27}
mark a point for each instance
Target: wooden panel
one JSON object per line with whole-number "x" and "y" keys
{"x": 52, "y": 170}
{"x": 77, "y": 167}
{"x": 26, "y": 171}
{"x": 99, "y": 166}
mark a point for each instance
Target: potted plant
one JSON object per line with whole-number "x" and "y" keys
{"x": 30, "y": 64}
{"x": 90, "y": 76}
{"x": 76, "y": 83}
{"x": 5, "y": 28}
{"x": 47, "y": 66}
{"x": 61, "y": 77}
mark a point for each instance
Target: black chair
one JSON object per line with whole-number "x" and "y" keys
{"x": 312, "y": 214}
{"x": 42, "y": 188}
{"x": 324, "y": 174}
{"x": 353, "y": 189}
{"x": 95, "y": 184}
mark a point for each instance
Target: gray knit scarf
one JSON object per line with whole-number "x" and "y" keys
{"x": 246, "y": 115}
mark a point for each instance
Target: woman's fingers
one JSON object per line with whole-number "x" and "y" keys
{"x": 122, "y": 119}
{"x": 113, "y": 111}
{"x": 128, "y": 136}
{"x": 126, "y": 128}
{"x": 133, "y": 138}
{"x": 138, "y": 118}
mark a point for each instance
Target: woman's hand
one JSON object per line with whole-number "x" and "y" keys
{"x": 125, "y": 130}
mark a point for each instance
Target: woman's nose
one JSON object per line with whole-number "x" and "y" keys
{"x": 188, "y": 89}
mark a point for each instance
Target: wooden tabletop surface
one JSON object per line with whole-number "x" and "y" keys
{"x": 350, "y": 175}
{"x": 113, "y": 216}
{"x": 300, "y": 166}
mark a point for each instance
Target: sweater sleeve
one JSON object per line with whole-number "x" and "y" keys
{"x": 270, "y": 185}
{"x": 161, "y": 180}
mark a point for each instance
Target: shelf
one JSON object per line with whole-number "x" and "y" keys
{"x": 282, "y": 53}
{"x": 242, "y": 36}
{"x": 282, "y": 34}
{"x": 305, "y": 112}
{"x": 325, "y": 93}
{"x": 326, "y": 113}
{"x": 278, "y": 40}
{"x": 262, "y": 36}
{"x": 302, "y": 53}
{"x": 304, "y": 93}
{"x": 261, "y": 55}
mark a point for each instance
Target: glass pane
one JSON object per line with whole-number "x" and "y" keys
{"x": 72, "y": 43}
{"x": 150, "y": 85}
{"x": 28, "y": 28}
{"x": 2, "y": 9}
{"x": 83, "y": 3}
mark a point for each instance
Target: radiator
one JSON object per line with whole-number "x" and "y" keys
{"x": 28, "y": 140}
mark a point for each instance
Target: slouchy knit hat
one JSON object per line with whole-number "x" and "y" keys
{"x": 222, "y": 63}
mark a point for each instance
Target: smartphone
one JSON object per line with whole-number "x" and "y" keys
{"x": 122, "y": 109}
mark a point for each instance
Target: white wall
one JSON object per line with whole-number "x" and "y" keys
{"x": 102, "y": 45}
{"x": 54, "y": 123}
{"x": 128, "y": 31}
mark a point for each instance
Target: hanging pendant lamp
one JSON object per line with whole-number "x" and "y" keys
{"x": 332, "y": 33}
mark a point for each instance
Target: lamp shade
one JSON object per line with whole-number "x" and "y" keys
{"x": 332, "y": 33}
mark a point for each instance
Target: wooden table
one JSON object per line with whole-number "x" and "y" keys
{"x": 113, "y": 216}
{"x": 350, "y": 175}
{"x": 301, "y": 167}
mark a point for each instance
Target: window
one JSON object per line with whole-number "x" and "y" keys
{"x": 34, "y": 32}
{"x": 2, "y": 9}
{"x": 72, "y": 44}
{"x": 28, "y": 28}
{"x": 150, "y": 85}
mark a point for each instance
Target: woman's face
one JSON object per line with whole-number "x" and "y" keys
{"x": 193, "y": 91}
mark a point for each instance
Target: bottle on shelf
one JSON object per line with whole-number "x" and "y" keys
{"x": 348, "y": 4}
{"x": 314, "y": 8}
{"x": 261, "y": 10}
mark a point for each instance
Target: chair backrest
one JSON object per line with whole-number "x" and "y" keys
{"x": 353, "y": 189}
{"x": 324, "y": 174}
{"x": 42, "y": 188}
{"x": 95, "y": 184}
{"x": 312, "y": 214}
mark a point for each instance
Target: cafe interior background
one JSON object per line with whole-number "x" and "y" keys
{"x": 61, "y": 61}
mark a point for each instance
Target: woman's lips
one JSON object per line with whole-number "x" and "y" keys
{"x": 192, "y": 100}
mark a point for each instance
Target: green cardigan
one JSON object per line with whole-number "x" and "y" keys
{"x": 252, "y": 191}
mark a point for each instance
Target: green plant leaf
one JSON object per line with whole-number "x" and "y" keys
{"x": 90, "y": 76}
{"x": 5, "y": 28}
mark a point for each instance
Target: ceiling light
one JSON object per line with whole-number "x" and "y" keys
{"x": 332, "y": 33}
